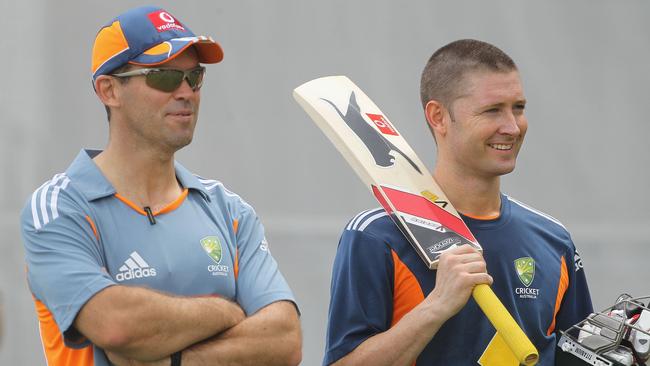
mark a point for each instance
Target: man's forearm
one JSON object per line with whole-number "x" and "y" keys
{"x": 271, "y": 336}
{"x": 459, "y": 270}
{"x": 147, "y": 325}
{"x": 406, "y": 340}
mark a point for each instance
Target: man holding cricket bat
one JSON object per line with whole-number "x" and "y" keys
{"x": 388, "y": 308}
{"x": 132, "y": 259}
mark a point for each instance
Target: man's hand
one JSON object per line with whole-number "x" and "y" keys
{"x": 459, "y": 270}
{"x": 270, "y": 337}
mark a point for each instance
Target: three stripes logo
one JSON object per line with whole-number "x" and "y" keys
{"x": 44, "y": 202}
{"x": 365, "y": 218}
{"x": 135, "y": 267}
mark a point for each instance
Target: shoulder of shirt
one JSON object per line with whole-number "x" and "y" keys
{"x": 522, "y": 207}
{"x": 374, "y": 221}
{"x": 52, "y": 200}
{"x": 223, "y": 195}
{"x": 551, "y": 224}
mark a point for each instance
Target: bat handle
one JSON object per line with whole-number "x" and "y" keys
{"x": 522, "y": 348}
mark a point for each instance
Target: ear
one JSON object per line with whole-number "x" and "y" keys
{"x": 435, "y": 113}
{"x": 108, "y": 90}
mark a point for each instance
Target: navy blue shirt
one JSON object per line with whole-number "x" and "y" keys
{"x": 378, "y": 277}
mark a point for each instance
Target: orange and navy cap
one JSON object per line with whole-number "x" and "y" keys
{"x": 147, "y": 36}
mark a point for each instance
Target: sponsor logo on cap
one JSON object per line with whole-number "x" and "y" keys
{"x": 163, "y": 21}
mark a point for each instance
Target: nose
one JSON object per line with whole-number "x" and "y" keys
{"x": 510, "y": 124}
{"x": 184, "y": 91}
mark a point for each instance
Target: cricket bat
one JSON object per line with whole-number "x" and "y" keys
{"x": 403, "y": 186}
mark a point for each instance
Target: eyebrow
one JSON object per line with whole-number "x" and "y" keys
{"x": 488, "y": 106}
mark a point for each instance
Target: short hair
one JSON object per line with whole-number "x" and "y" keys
{"x": 446, "y": 69}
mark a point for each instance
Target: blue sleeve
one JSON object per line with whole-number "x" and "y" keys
{"x": 576, "y": 304}
{"x": 64, "y": 264}
{"x": 361, "y": 302}
{"x": 259, "y": 282}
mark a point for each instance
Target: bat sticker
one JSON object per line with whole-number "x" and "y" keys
{"x": 378, "y": 145}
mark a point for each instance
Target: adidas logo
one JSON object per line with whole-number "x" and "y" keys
{"x": 135, "y": 267}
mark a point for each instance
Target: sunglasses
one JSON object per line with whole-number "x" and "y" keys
{"x": 168, "y": 80}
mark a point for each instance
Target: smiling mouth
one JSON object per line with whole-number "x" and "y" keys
{"x": 501, "y": 147}
{"x": 181, "y": 114}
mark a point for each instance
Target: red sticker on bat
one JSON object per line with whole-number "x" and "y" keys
{"x": 416, "y": 205}
{"x": 382, "y": 124}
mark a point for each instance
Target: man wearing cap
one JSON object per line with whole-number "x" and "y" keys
{"x": 130, "y": 253}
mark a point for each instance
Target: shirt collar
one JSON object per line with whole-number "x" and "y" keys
{"x": 94, "y": 185}
{"x": 190, "y": 181}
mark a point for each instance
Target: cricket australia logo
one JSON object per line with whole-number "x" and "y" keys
{"x": 212, "y": 247}
{"x": 525, "y": 268}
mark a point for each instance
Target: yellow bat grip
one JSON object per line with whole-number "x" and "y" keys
{"x": 505, "y": 325}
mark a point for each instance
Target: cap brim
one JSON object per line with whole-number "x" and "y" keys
{"x": 208, "y": 50}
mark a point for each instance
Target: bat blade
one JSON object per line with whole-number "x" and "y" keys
{"x": 386, "y": 164}
{"x": 398, "y": 179}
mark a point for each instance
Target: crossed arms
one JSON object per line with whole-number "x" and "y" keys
{"x": 138, "y": 326}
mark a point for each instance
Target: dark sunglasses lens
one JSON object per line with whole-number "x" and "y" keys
{"x": 165, "y": 80}
{"x": 195, "y": 78}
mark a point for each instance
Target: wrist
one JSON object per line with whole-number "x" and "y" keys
{"x": 432, "y": 311}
